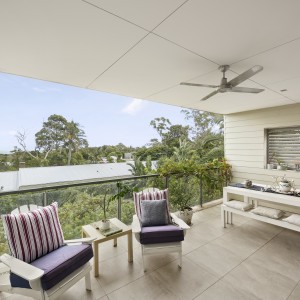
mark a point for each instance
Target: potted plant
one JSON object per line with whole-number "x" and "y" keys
{"x": 280, "y": 164}
{"x": 105, "y": 203}
{"x": 181, "y": 197}
{"x": 122, "y": 190}
{"x": 285, "y": 185}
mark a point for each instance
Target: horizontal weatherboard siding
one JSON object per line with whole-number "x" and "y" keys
{"x": 246, "y": 146}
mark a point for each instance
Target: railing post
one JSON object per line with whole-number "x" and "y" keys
{"x": 201, "y": 191}
{"x": 166, "y": 182}
{"x": 119, "y": 202}
{"x": 45, "y": 199}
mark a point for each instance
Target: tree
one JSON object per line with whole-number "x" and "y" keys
{"x": 174, "y": 134}
{"x": 137, "y": 167}
{"x": 74, "y": 138}
{"x": 204, "y": 122}
{"x": 53, "y": 134}
{"x": 37, "y": 157}
{"x": 210, "y": 147}
{"x": 183, "y": 152}
{"x": 58, "y": 134}
{"x": 161, "y": 125}
{"x": 170, "y": 134}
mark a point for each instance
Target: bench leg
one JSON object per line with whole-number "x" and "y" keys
{"x": 229, "y": 217}
{"x": 223, "y": 217}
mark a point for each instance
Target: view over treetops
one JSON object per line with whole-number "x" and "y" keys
{"x": 63, "y": 142}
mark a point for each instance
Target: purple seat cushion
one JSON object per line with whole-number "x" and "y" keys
{"x": 57, "y": 265}
{"x": 161, "y": 234}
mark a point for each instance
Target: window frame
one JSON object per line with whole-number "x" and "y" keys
{"x": 294, "y": 162}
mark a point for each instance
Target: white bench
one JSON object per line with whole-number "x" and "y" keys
{"x": 253, "y": 196}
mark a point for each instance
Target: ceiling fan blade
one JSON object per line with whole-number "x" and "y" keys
{"x": 199, "y": 84}
{"x": 244, "y": 76}
{"x": 210, "y": 95}
{"x": 245, "y": 90}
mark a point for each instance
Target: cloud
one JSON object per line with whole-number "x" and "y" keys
{"x": 133, "y": 107}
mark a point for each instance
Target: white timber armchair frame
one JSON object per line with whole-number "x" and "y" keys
{"x": 159, "y": 248}
{"x": 10, "y": 264}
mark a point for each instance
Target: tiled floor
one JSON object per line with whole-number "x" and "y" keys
{"x": 248, "y": 260}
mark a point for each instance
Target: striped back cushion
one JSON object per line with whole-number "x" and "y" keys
{"x": 155, "y": 195}
{"x": 33, "y": 234}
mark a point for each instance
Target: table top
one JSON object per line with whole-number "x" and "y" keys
{"x": 91, "y": 231}
{"x": 277, "y": 198}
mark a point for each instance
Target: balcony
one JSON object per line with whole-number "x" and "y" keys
{"x": 247, "y": 260}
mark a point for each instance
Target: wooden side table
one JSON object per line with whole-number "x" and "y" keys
{"x": 91, "y": 231}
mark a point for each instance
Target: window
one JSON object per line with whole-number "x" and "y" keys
{"x": 283, "y": 147}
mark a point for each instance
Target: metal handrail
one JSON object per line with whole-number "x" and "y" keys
{"x": 67, "y": 185}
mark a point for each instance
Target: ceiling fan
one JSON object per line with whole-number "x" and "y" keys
{"x": 230, "y": 86}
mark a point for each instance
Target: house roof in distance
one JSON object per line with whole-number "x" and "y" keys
{"x": 30, "y": 178}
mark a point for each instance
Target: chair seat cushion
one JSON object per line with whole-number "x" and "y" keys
{"x": 57, "y": 265}
{"x": 161, "y": 234}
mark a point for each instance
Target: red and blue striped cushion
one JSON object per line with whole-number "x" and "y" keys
{"x": 33, "y": 234}
{"x": 155, "y": 195}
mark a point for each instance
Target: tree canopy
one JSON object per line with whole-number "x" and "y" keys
{"x": 63, "y": 142}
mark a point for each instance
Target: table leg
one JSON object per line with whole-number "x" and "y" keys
{"x": 96, "y": 259}
{"x": 115, "y": 242}
{"x": 130, "y": 252}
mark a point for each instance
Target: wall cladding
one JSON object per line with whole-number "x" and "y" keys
{"x": 245, "y": 147}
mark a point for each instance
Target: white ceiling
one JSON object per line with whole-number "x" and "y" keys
{"x": 144, "y": 49}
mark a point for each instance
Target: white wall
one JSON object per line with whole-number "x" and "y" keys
{"x": 245, "y": 142}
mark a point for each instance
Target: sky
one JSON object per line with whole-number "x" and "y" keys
{"x": 107, "y": 119}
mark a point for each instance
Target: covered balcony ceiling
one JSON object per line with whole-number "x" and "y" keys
{"x": 144, "y": 49}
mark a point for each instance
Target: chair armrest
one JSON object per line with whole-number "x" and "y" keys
{"x": 22, "y": 268}
{"x": 179, "y": 222}
{"x": 136, "y": 226}
{"x": 87, "y": 240}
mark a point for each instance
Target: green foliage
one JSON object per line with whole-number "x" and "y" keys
{"x": 170, "y": 134}
{"x": 137, "y": 167}
{"x": 190, "y": 174}
{"x": 205, "y": 123}
{"x": 182, "y": 191}
{"x": 183, "y": 152}
{"x": 192, "y": 167}
{"x": 209, "y": 147}
{"x": 52, "y": 134}
{"x": 156, "y": 152}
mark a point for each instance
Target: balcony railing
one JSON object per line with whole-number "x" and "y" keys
{"x": 81, "y": 203}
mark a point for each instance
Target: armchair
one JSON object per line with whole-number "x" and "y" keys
{"x": 42, "y": 265}
{"x": 155, "y": 228}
